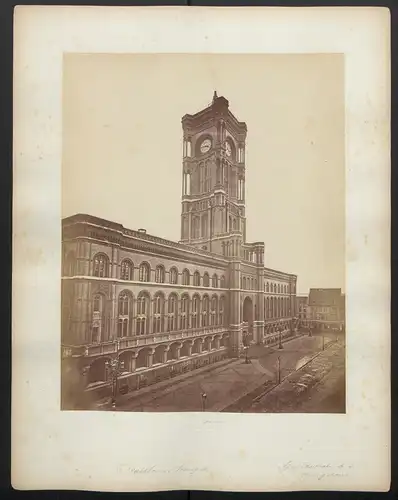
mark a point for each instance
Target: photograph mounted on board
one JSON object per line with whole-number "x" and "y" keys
{"x": 203, "y": 233}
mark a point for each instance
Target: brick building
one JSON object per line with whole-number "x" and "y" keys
{"x": 326, "y": 309}
{"x": 301, "y": 310}
{"x": 158, "y": 306}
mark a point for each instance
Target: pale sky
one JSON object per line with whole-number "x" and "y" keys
{"x": 122, "y": 147}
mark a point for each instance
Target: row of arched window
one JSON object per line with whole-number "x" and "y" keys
{"x": 275, "y": 288}
{"x": 276, "y": 307}
{"x": 248, "y": 283}
{"x": 101, "y": 270}
{"x": 145, "y": 314}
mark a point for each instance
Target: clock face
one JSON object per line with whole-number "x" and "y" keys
{"x": 205, "y": 146}
{"x": 228, "y": 149}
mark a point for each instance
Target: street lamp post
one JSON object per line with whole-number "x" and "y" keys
{"x": 279, "y": 370}
{"x": 323, "y": 342}
{"x": 114, "y": 367}
{"x": 280, "y": 340}
{"x": 246, "y": 351}
{"x": 204, "y": 396}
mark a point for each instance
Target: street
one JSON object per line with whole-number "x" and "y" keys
{"x": 224, "y": 386}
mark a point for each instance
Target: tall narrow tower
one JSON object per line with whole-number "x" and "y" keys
{"x": 213, "y": 187}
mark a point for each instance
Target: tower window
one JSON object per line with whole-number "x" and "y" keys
{"x": 204, "y": 226}
{"x": 186, "y": 183}
{"x": 187, "y": 148}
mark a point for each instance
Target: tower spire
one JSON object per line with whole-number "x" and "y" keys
{"x": 215, "y": 95}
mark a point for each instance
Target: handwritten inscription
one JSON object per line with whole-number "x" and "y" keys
{"x": 153, "y": 469}
{"x": 319, "y": 471}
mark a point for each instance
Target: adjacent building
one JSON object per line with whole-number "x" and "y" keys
{"x": 326, "y": 309}
{"x": 301, "y": 309}
{"x": 155, "y": 307}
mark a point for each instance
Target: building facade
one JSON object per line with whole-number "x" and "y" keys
{"x": 326, "y": 309}
{"x": 301, "y": 309}
{"x": 159, "y": 307}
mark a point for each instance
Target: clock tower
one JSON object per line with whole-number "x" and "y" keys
{"x": 213, "y": 180}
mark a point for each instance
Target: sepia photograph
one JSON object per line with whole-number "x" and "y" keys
{"x": 201, "y": 249}
{"x": 203, "y": 233}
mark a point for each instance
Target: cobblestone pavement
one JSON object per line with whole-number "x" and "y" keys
{"x": 318, "y": 387}
{"x": 227, "y": 385}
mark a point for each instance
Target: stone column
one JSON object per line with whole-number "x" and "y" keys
{"x": 260, "y": 301}
{"x": 150, "y": 357}
{"x": 166, "y": 350}
{"x": 189, "y": 345}
{"x": 133, "y": 361}
{"x": 112, "y": 327}
{"x": 200, "y": 350}
{"x": 235, "y": 308}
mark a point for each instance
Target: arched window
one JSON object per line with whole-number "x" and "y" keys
{"x": 267, "y": 286}
{"x": 97, "y": 325}
{"x": 159, "y": 274}
{"x": 204, "y": 226}
{"x": 172, "y": 313}
{"x": 173, "y": 276}
{"x": 213, "y": 313}
{"x": 195, "y": 227}
{"x": 255, "y": 284}
{"x": 274, "y": 312}
{"x": 195, "y": 311}
{"x": 101, "y": 266}
{"x": 143, "y": 314}
{"x": 205, "y": 279}
{"x": 144, "y": 272}
{"x": 202, "y": 177}
{"x": 221, "y": 310}
{"x": 184, "y": 312}
{"x": 222, "y": 282}
{"x": 126, "y": 270}
{"x": 158, "y": 313}
{"x": 244, "y": 283}
{"x": 70, "y": 264}
{"x": 205, "y": 311}
{"x": 279, "y": 288}
{"x": 186, "y": 277}
{"x": 196, "y": 279}
{"x": 214, "y": 281}
{"x": 125, "y": 305}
